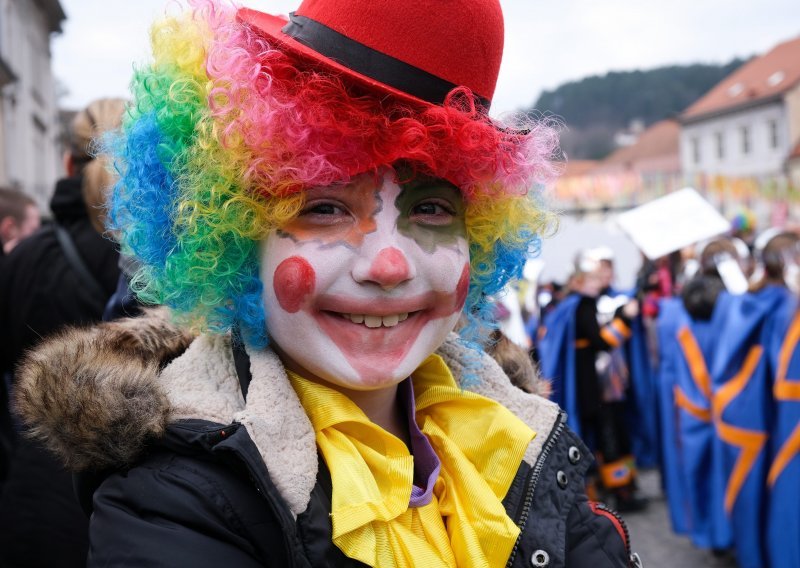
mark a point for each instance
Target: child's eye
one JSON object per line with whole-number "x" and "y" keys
{"x": 432, "y": 213}
{"x": 323, "y": 212}
{"x": 323, "y": 209}
{"x": 430, "y": 209}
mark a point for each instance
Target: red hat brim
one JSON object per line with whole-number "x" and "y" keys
{"x": 272, "y": 27}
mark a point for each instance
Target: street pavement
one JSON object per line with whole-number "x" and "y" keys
{"x": 652, "y": 536}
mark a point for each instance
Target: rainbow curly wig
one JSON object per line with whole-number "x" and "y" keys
{"x": 224, "y": 133}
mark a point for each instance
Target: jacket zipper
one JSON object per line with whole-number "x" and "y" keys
{"x": 633, "y": 559}
{"x": 611, "y": 512}
{"x": 522, "y": 518}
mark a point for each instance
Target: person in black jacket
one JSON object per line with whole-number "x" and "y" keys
{"x": 43, "y": 288}
{"x": 62, "y": 275}
{"x": 19, "y": 218}
{"x": 602, "y": 381}
{"x": 319, "y": 200}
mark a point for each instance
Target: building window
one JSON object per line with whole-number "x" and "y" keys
{"x": 37, "y": 68}
{"x": 774, "y": 136}
{"x": 720, "y": 145}
{"x": 745, "y": 132}
{"x": 39, "y": 143}
{"x": 695, "y": 150}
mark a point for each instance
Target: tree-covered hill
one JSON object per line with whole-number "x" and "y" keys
{"x": 595, "y": 108}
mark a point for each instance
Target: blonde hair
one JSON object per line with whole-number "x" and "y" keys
{"x": 88, "y": 126}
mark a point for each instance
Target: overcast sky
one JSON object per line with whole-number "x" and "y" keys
{"x": 547, "y": 42}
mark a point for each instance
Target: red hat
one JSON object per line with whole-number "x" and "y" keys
{"x": 416, "y": 50}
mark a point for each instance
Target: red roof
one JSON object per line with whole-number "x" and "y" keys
{"x": 660, "y": 139}
{"x": 760, "y": 78}
{"x": 578, "y": 167}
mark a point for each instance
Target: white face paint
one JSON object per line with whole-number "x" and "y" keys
{"x": 368, "y": 280}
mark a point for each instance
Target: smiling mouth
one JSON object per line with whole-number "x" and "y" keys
{"x": 375, "y": 321}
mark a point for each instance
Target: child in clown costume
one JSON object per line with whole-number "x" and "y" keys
{"x": 317, "y": 201}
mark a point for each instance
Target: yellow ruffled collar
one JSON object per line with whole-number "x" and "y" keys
{"x": 480, "y": 445}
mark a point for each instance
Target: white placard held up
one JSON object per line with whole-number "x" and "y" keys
{"x": 672, "y": 222}
{"x": 732, "y": 276}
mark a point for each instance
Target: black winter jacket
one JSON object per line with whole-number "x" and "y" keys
{"x": 40, "y": 293}
{"x": 198, "y": 490}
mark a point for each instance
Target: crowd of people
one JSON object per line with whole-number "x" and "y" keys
{"x": 695, "y": 371}
{"x": 270, "y": 338}
{"x": 308, "y": 220}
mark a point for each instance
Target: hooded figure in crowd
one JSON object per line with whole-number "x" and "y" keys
{"x": 741, "y": 377}
{"x": 321, "y": 199}
{"x": 689, "y": 328}
{"x": 720, "y": 353}
{"x": 782, "y": 534}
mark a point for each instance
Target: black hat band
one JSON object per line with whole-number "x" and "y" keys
{"x": 371, "y": 63}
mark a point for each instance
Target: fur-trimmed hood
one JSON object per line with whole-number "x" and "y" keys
{"x": 97, "y": 396}
{"x": 91, "y": 395}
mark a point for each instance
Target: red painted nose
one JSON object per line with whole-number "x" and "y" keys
{"x": 389, "y": 268}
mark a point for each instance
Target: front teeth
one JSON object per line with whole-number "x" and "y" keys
{"x": 390, "y": 321}
{"x": 377, "y": 321}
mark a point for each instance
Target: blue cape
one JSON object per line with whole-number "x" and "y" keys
{"x": 783, "y": 478}
{"x": 643, "y": 407}
{"x": 686, "y": 349}
{"x": 670, "y": 317}
{"x": 741, "y": 378}
{"x": 557, "y": 356}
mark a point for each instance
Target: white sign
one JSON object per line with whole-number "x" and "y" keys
{"x": 672, "y": 222}
{"x": 732, "y": 276}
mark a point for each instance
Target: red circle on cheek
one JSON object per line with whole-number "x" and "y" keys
{"x": 463, "y": 288}
{"x": 294, "y": 279}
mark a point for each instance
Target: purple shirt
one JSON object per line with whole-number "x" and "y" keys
{"x": 426, "y": 462}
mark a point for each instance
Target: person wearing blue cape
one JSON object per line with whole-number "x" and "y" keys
{"x": 689, "y": 328}
{"x": 672, "y": 316}
{"x": 741, "y": 380}
{"x": 783, "y": 508}
{"x": 574, "y": 350}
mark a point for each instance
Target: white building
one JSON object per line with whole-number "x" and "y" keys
{"x": 749, "y": 123}
{"x": 30, "y": 149}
